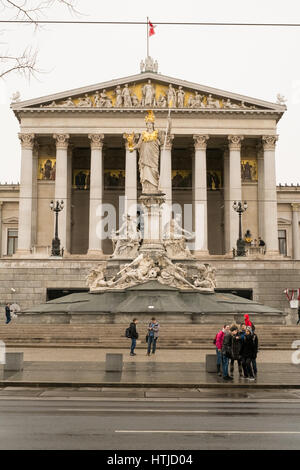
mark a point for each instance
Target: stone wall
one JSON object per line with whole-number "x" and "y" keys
{"x": 31, "y": 278}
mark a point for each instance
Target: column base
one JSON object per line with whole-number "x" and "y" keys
{"x": 95, "y": 253}
{"x": 22, "y": 254}
{"x": 201, "y": 253}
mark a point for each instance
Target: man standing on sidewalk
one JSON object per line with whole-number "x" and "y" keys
{"x": 133, "y": 335}
{"x": 153, "y": 329}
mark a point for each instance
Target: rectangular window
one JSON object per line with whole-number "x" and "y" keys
{"x": 12, "y": 241}
{"x": 282, "y": 242}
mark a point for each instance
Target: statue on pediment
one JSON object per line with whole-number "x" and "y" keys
{"x": 119, "y": 98}
{"x": 126, "y": 97}
{"x": 212, "y": 102}
{"x": 142, "y": 66}
{"x": 97, "y": 99}
{"x": 68, "y": 103}
{"x": 171, "y": 96}
{"x": 85, "y": 101}
{"x": 135, "y": 101}
{"x": 148, "y": 95}
{"x": 162, "y": 101}
{"x": 180, "y": 97}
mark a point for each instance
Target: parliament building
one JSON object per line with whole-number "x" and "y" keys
{"x": 220, "y": 148}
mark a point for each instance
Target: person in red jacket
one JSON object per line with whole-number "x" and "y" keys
{"x": 219, "y": 343}
{"x": 248, "y": 322}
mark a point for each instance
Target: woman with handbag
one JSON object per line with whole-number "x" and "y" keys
{"x": 153, "y": 332}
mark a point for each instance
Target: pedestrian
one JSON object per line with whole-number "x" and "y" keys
{"x": 253, "y": 362}
{"x": 236, "y": 350}
{"x": 248, "y": 322}
{"x": 248, "y": 353}
{"x": 219, "y": 343}
{"x": 7, "y": 313}
{"x": 298, "y": 316}
{"x": 133, "y": 335}
{"x": 226, "y": 353}
{"x": 262, "y": 245}
{"x": 153, "y": 332}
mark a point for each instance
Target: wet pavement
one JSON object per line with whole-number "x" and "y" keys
{"x": 146, "y": 374}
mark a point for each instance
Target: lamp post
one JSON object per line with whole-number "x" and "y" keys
{"x": 240, "y": 243}
{"x": 56, "y": 207}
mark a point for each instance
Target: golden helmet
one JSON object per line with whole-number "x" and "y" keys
{"x": 150, "y": 116}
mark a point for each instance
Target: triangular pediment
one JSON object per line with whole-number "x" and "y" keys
{"x": 149, "y": 90}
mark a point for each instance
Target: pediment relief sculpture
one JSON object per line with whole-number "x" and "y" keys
{"x": 150, "y": 95}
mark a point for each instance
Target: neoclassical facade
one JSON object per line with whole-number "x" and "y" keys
{"x": 220, "y": 148}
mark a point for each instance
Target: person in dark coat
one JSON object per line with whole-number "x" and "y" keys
{"x": 248, "y": 354}
{"x": 7, "y": 313}
{"x": 236, "y": 349}
{"x": 226, "y": 354}
{"x": 133, "y": 335}
{"x": 253, "y": 362}
{"x": 298, "y": 316}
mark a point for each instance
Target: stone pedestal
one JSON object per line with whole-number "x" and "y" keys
{"x": 153, "y": 230}
{"x": 114, "y": 362}
{"x": 211, "y": 363}
{"x": 14, "y": 361}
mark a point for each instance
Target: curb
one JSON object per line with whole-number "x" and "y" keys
{"x": 40, "y": 384}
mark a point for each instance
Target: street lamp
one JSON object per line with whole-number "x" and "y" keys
{"x": 56, "y": 207}
{"x": 240, "y": 243}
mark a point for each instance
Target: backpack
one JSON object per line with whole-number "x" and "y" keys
{"x": 128, "y": 332}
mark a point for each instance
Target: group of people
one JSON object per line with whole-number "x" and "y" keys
{"x": 237, "y": 344}
{"x": 151, "y": 337}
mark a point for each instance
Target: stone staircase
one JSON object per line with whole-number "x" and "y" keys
{"x": 108, "y": 336}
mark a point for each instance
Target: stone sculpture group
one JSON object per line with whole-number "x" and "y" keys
{"x": 126, "y": 97}
{"x": 152, "y": 258}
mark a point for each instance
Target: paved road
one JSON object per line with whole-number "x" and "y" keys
{"x": 64, "y": 420}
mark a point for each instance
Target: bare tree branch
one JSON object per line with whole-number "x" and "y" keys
{"x": 26, "y": 62}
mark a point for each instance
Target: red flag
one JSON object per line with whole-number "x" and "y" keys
{"x": 151, "y": 29}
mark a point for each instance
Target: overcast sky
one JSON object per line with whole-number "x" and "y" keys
{"x": 258, "y": 62}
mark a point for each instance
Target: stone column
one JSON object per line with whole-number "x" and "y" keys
{"x": 62, "y": 189}
{"x": 260, "y": 191}
{"x": 227, "y": 206}
{"x": 165, "y": 180}
{"x": 270, "y": 196}
{"x": 130, "y": 181}
{"x": 295, "y": 228}
{"x": 234, "y": 187}
{"x": 200, "y": 195}
{"x": 96, "y": 195}
{"x": 25, "y": 235}
{"x": 1, "y": 204}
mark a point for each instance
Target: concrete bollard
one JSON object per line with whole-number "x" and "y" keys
{"x": 114, "y": 362}
{"x": 211, "y": 363}
{"x": 14, "y": 361}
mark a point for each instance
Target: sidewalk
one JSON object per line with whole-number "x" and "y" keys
{"x": 70, "y": 368}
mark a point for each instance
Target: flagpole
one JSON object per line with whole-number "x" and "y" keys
{"x": 147, "y": 36}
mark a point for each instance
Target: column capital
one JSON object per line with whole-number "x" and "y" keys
{"x": 96, "y": 141}
{"x": 62, "y": 140}
{"x": 235, "y": 142}
{"x": 269, "y": 141}
{"x": 27, "y": 140}
{"x": 167, "y": 140}
{"x": 295, "y": 206}
{"x": 200, "y": 141}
